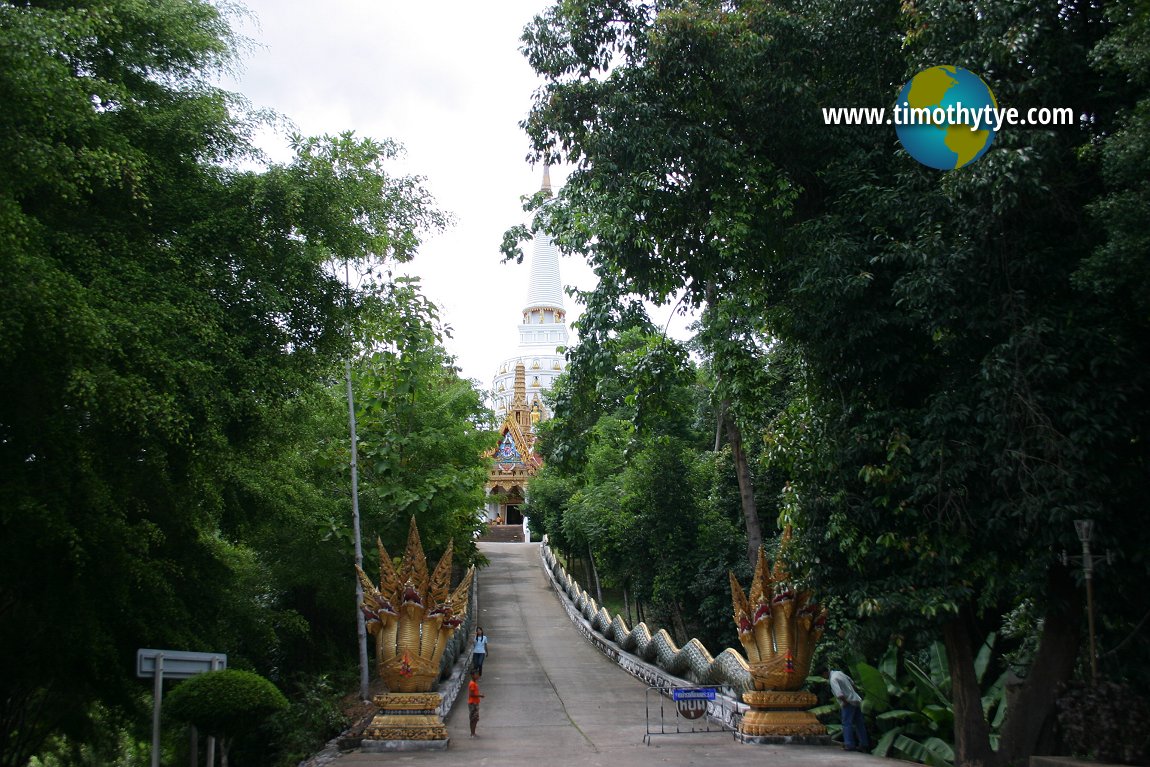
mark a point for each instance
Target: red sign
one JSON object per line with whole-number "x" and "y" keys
{"x": 692, "y": 708}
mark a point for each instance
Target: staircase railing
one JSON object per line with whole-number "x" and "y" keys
{"x": 692, "y": 661}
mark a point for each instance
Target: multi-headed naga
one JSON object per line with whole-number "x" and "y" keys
{"x": 412, "y": 615}
{"x": 778, "y": 626}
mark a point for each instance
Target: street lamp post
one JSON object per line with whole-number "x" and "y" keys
{"x": 1085, "y": 530}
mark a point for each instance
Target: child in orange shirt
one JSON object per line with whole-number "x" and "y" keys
{"x": 473, "y": 697}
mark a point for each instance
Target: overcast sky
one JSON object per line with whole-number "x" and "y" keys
{"x": 447, "y": 81}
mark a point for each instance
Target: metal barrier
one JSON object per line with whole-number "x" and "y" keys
{"x": 687, "y": 710}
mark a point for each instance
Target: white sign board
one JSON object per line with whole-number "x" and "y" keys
{"x": 178, "y": 664}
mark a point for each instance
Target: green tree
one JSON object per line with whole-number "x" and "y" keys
{"x": 647, "y": 503}
{"x": 970, "y": 377}
{"x": 595, "y": 522}
{"x": 731, "y": 339}
{"x": 422, "y": 431}
{"x": 165, "y": 316}
{"x": 547, "y": 505}
{"x": 595, "y": 383}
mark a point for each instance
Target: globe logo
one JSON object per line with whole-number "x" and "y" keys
{"x": 942, "y": 117}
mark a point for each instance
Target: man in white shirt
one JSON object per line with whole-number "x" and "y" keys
{"x": 850, "y": 709}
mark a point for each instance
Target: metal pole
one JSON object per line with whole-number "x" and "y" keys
{"x": 361, "y": 626}
{"x": 211, "y": 761}
{"x": 195, "y": 746}
{"x": 360, "y": 623}
{"x": 157, "y": 696}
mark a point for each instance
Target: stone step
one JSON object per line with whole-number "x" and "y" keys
{"x": 503, "y": 534}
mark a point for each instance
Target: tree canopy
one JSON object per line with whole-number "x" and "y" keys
{"x": 422, "y": 431}
{"x": 170, "y": 321}
{"x": 966, "y": 351}
{"x": 226, "y": 704}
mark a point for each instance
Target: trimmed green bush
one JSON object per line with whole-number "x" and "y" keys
{"x": 225, "y": 703}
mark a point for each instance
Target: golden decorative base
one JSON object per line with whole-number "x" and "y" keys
{"x": 777, "y": 714}
{"x": 407, "y": 716}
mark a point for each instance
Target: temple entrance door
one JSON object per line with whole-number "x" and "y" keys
{"x": 512, "y": 514}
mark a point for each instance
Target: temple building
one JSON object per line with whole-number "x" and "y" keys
{"x": 520, "y": 381}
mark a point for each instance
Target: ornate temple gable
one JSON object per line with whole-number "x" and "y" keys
{"x": 514, "y": 459}
{"x": 515, "y": 451}
{"x": 514, "y": 455}
{"x": 508, "y": 451}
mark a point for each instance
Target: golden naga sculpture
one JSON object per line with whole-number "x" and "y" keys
{"x": 778, "y": 627}
{"x": 412, "y": 615}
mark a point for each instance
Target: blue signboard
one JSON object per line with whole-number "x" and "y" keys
{"x": 693, "y": 693}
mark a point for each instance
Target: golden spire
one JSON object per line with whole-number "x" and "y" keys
{"x": 520, "y": 411}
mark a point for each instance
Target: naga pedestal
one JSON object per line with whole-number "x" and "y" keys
{"x": 406, "y": 721}
{"x": 779, "y": 716}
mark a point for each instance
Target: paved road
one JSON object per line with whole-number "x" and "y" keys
{"x": 553, "y": 700}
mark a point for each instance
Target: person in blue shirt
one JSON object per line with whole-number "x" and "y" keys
{"x": 479, "y": 654}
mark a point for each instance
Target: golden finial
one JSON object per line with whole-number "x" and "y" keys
{"x": 441, "y": 579}
{"x": 413, "y": 570}
{"x": 389, "y": 582}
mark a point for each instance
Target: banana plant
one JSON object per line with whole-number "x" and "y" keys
{"x": 909, "y": 709}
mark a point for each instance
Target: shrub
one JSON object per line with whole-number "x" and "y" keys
{"x": 1109, "y": 722}
{"x": 313, "y": 718}
{"x": 226, "y": 704}
{"x": 909, "y": 707}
